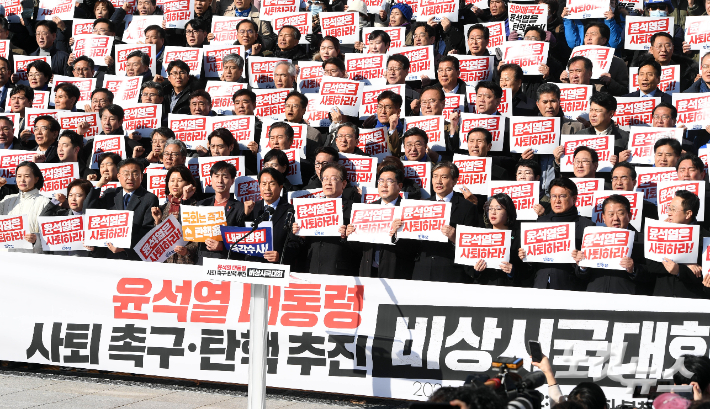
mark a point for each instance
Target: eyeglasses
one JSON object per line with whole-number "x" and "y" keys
{"x": 178, "y": 74}
{"x": 417, "y": 145}
{"x": 171, "y": 154}
{"x": 445, "y": 70}
{"x": 332, "y": 73}
{"x": 582, "y": 162}
{"x": 41, "y": 128}
{"x": 35, "y": 75}
{"x": 99, "y": 101}
{"x": 661, "y": 117}
{"x": 495, "y": 209}
{"x": 430, "y": 102}
{"x": 393, "y": 69}
{"x": 386, "y": 181}
{"x": 422, "y": 36}
{"x": 293, "y": 106}
{"x": 559, "y": 197}
{"x": 384, "y": 107}
{"x": 334, "y": 179}
{"x": 42, "y": 35}
{"x": 82, "y": 69}
{"x": 150, "y": 95}
{"x": 134, "y": 175}
{"x": 476, "y": 39}
{"x": 666, "y": 46}
{"x": 192, "y": 32}
{"x": 320, "y": 164}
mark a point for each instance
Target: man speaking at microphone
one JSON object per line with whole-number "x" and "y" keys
{"x": 279, "y": 212}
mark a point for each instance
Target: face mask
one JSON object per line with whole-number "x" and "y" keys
{"x": 658, "y": 13}
{"x": 316, "y": 9}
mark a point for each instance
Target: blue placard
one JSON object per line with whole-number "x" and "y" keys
{"x": 255, "y": 245}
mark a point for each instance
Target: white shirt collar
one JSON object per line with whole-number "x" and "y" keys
{"x": 392, "y": 203}
{"x": 276, "y": 203}
{"x": 446, "y": 198}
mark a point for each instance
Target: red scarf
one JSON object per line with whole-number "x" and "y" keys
{"x": 174, "y": 208}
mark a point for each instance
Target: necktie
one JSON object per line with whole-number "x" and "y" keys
{"x": 126, "y": 199}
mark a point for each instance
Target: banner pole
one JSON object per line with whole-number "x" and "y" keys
{"x": 258, "y": 325}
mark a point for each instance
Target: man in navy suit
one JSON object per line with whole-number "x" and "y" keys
{"x": 130, "y": 196}
{"x": 649, "y": 76}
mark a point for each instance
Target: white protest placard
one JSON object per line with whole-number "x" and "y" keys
{"x": 123, "y": 50}
{"x": 107, "y": 143}
{"x": 602, "y": 144}
{"x": 643, "y": 138}
{"x": 155, "y": 183}
{"x": 368, "y": 106}
{"x": 40, "y": 102}
{"x": 497, "y": 35}
{"x": 529, "y": 55}
{"x": 453, "y": 103}
{"x": 224, "y": 30}
{"x": 309, "y": 76}
{"x": 61, "y": 233}
{"x": 315, "y": 116}
{"x": 71, "y": 120}
{"x": 246, "y": 188}
{"x": 300, "y": 132}
{"x": 13, "y": 10}
{"x": 473, "y": 69}
{"x": 373, "y": 222}
{"x": 270, "y": 102}
{"x": 666, "y": 192}
{"x": 96, "y": 47}
{"x": 550, "y": 243}
{"x": 177, "y": 13}
{"x": 693, "y": 109}
{"x": 706, "y": 256}
{"x": 586, "y": 188}
{"x": 125, "y": 89}
{"x": 57, "y": 177}
{"x": 525, "y": 196}
{"x": 15, "y": 118}
{"x": 345, "y": 26}
{"x": 647, "y": 180}
{"x": 269, "y": 8}
{"x": 421, "y": 60}
{"x": 241, "y": 126}
{"x": 135, "y": 30}
{"x": 341, "y": 93}
{"x": 48, "y": 9}
{"x": 495, "y": 124}
{"x": 599, "y": 55}
{"x": 584, "y": 9}
{"x": 639, "y": 29}
{"x": 206, "y": 163}
{"x": 200, "y": 223}
{"x": 246, "y": 271}
{"x": 522, "y": 16}
{"x": 190, "y": 56}
{"x": 213, "y": 56}
{"x": 160, "y": 242}
{"x": 397, "y": 35}
{"x": 294, "y": 165}
{"x": 366, "y": 68}
{"x": 697, "y": 32}
{"x": 420, "y": 174}
{"x": 374, "y": 142}
{"x": 423, "y": 220}
{"x": 318, "y": 217}
{"x": 222, "y": 93}
{"x": 190, "y": 129}
{"x": 21, "y": 63}
{"x": 82, "y": 26}
{"x": 631, "y": 5}
{"x": 374, "y": 6}
{"x": 31, "y": 114}
{"x": 474, "y": 244}
{"x": 604, "y": 247}
{"x": 474, "y": 173}
{"x": 635, "y": 200}
{"x": 306, "y": 194}
{"x": 362, "y": 170}
{"x": 85, "y": 85}
{"x": 108, "y": 226}
{"x": 142, "y": 118}
{"x": 670, "y": 79}
{"x": 120, "y": 3}
{"x": 434, "y": 128}
{"x": 301, "y": 20}
{"x": 676, "y": 242}
{"x": 541, "y": 134}
{"x": 13, "y": 230}
{"x": 704, "y": 155}
{"x": 635, "y": 111}
{"x": 9, "y": 159}
{"x": 261, "y": 71}
{"x": 574, "y": 100}
{"x": 438, "y": 9}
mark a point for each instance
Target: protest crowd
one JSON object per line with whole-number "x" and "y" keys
{"x": 531, "y": 144}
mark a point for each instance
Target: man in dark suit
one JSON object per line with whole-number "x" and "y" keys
{"x": 130, "y": 196}
{"x": 435, "y": 261}
{"x": 649, "y": 76}
{"x": 223, "y": 175}
{"x": 7, "y": 135}
{"x": 271, "y": 182}
{"x": 387, "y": 261}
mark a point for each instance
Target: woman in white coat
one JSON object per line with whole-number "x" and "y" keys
{"x": 28, "y": 202}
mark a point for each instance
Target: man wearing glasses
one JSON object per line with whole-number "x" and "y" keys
{"x": 449, "y": 81}
{"x": 196, "y": 33}
{"x": 662, "y": 50}
{"x": 397, "y": 71}
{"x": 46, "y": 35}
{"x": 432, "y": 104}
{"x": 388, "y": 116}
{"x": 179, "y": 86}
{"x": 325, "y": 156}
{"x": 602, "y": 107}
{"x": 244, "y": 8}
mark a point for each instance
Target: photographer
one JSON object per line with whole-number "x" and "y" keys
{"x": 588, "y": 394}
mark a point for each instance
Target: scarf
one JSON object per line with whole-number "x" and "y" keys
{"x": 174, "y": 207}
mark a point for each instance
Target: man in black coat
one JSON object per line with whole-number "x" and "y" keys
{"x": 271, "y": 183}
{"x": 130, "y": 196}
{"x": 561, "y": 276}
{"x": 649, "y": 76}
{"x": 223, "y": 175}
{"x": 602, "y": 107}
{"x": 179, "y": 86}
{"x": 387, "y": 261}
{"x": 435, "y": 260}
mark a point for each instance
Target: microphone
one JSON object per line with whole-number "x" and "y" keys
{"x": 289, "y": 220}
{"x": 534, "y": 380}
{"x": 268, "y": 211}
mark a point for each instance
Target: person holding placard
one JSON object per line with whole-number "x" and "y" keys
{"x": 691, "y": 167}
{"x": 28, "y": 202}
{"x": 623, "y": 178}
{"x": 66, "y": 95}
{"x": 579, "y": 71}
{"x": 46, "y": 131}
{"x": 680, "y": 279}
{"x": 201, "y": 103}
{"x": 232, "y": 68}
{"x": 323, "y": 156}
{"x": 39, "y": 75}
{"x": 285, "y": 75}
{"x": 179, "y": 86}
{"x": 602, "y": 107}
{"x": 561, "y": 276}
{"x": 435, "y": 260}
{"x": 73, "y": 205}
{"x": 138, "y": 64}
{"x": 196, "y": 33}
{"x": 346, "y": 139}
{"x": 663, "y": 47}
{"x": 130, "y": 196}
{"x": 46, "y": 35}
{"x": 331, "y": 254}
{"x": 616, "y": 213}
{"x": 8, "y": 140}
{"x": 21, "y": 98}
{"x": 69, "y": 145}
{"x": 396, "y": 73}
{"x": 245, "y": 8}
{"x": 649, "y": 76}
{"x": 156, "y": 35}
{"x": 511, "y": 76}
{"x": 295, "y": 108}
{"x": 329, "y": 48}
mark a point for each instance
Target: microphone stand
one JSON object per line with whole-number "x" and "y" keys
{"x": 289, "y": 221}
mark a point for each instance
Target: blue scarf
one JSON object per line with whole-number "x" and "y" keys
{"x": 244, "y": 13}
{"x": 704, "y": 86}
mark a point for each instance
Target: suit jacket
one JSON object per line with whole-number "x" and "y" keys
{"x": 279, "y": 232}
{"x": 659, "y": 94}
{"x": 435, "y": 261}
{"x": 234, "y": 214}
{"x": 141, "y": 203}
{"x": 396, "y": 261}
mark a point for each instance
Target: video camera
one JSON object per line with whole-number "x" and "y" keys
{"x": 506, "y": 381}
